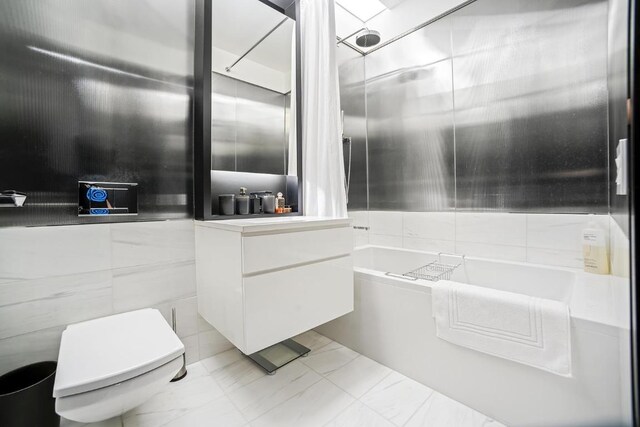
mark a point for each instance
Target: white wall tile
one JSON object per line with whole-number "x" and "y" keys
{"x": 31, "y": 305}
{"x": 186, "y": 315}
{"x": 360, "y": 218}
{"x": 385, "y": 240}
{"x": 29, "y": 348}
{"x": 510, "y": 253}
{"x": 138, "y": 287}
{"x": 619, "y": 250}
{"x": 360, "y": 237}
{"x": 429, "y": 245}
{"x": 492, "y": 228}
{"x": 430, "y": 225}
{"x": 37, "y": 252}
{"x": 212, "y": 342}
{"x": 191, "y": 348}
{"x": 561, "y": 231}
{"x": 387, "y": 223}
{"x": 557, "y": 257}
{"x": 143, "y": 243}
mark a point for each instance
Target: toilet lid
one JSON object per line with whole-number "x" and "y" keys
{"x": 109, "y": 350}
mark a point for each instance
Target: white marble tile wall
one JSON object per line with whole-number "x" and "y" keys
{"x": 552, "y": 239}
{"x": 53, "y": 276}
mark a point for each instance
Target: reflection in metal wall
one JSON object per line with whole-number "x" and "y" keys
{"x": 531, "y": 105}
{"x": 352, "y": 102}
{"x": 96, "y": 91}
{"x": 530, "y": 89}
{"x": 410, "y": 122}
{"x": 248, "y": 127}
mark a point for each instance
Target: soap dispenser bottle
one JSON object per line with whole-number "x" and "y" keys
{"x": 242, "y": 202}
{"x": 280, "y": 203}
{"x": 595, "y": 252}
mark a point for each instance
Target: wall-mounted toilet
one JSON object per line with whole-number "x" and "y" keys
{"x": 110, "y": 365}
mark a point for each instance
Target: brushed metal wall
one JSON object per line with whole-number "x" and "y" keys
{"x": 352, "y": 102}
{"x": 248, "y": 127}
{"x": 618, "y": 92}
{"x": 530, "y": 87}
{"x": 410, "y": 122}
{"x": 499, "y": 106}
{"x": 96, "y": 91}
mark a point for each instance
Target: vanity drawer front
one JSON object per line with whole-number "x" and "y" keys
{"x": 273, "y": 251}
{"x": 285, "y": 303}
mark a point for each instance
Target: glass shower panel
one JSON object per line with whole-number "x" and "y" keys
{"x": 530, "y": 83}
{"x": 410, "y": 123}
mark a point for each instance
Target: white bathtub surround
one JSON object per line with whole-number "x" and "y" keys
{"x": 404, "y": 339}
{"x": 322, "y": 158}
{"x": 53, "y": 276}
{"x": 224, "y": 391}
{"x": 549, "y": 239}
{"x": 521, "y": 328}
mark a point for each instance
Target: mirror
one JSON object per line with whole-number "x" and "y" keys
{"x": 251, "y": 83}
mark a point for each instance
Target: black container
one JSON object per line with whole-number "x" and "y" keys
{"x": 26, "y": 396}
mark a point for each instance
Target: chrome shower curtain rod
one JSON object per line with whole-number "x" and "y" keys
{"x": 228, "y": 69}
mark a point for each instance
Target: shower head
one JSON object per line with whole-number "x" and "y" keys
{"x": 368, "y": 38}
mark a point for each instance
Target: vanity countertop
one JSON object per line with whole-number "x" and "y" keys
{"x": 275, "y": 224}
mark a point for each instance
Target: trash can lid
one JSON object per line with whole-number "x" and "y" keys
{"x": 102, "y": 352}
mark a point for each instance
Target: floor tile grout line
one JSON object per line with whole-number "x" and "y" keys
{"x": 290, "y": 398}
{"x": 420, "y": 406}
{"x": 320, "y": 378}
{"x": 370, "y": 388}
{"x": 355, "y": 401}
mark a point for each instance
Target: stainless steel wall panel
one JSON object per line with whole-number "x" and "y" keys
{"x": 618, "y": 69}
{"x": 223, "y": 122}
{"x": 97, "y": 91}
{"x": 248, "y": 132}
{"x": 260, "y": 143}
{"x": 531, "y": 105}
{"x": 410, "y": 123}
{"x": 352, "y": 102}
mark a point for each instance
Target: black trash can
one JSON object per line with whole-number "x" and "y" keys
{"x": 26, "y": 396}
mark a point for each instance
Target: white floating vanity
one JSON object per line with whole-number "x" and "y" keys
{"x": 264, "y": 280}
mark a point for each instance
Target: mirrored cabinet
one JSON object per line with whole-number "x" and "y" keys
{"x": 246, "y": 158}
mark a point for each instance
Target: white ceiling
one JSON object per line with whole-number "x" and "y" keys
{"x": 239, "y": 24}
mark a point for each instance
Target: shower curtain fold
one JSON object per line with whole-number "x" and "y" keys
{"x": 322, "y": 157}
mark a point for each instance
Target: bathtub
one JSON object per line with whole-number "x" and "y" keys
{"x": 392, "y": 324}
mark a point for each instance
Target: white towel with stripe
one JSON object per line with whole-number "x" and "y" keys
{"x": 529, "y": 330}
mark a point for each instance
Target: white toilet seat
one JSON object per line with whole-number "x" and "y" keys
{"x": 110, "y": 365}
{"x": 113, "y": 400}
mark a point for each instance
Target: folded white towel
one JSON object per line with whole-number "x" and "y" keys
{"x": 525, "y": 329}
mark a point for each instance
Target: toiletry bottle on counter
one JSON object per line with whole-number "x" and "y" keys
{"x": 594, "y": 250}
{"x": 242, "y": 202}
{"x": 280, "y": 203}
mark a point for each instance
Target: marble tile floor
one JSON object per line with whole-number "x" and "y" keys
{"x": 334, "y": 386}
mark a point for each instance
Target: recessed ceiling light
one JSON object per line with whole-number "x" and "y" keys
{"x": 363, "y": 9}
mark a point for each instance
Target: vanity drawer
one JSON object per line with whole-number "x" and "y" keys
{"x": 281, "y": 304}
{"x": 273, "y": 251}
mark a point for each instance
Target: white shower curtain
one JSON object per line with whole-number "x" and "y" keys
{"x": 322, "y": 159}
